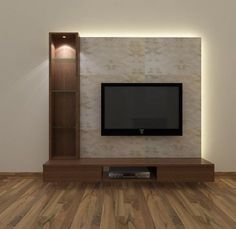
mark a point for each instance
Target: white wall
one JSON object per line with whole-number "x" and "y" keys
{"x": 24, "y": 27}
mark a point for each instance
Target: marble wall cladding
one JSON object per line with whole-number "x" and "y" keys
{"x": 140, "y": 60}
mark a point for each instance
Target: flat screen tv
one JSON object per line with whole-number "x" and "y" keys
{"x": 141, "y": 109}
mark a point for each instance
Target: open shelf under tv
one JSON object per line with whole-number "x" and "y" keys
{"x": 151, "y": 169}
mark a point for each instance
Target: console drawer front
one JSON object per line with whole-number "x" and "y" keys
{"x": 72, "y": 173}
{"x": 193, "y": 173}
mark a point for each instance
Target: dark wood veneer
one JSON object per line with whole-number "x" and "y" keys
{"x": 167, "y": 169}
{"x": 64, "y": 74}
{"x": 63, "y": 143}
{"x": 64, "y": 110}
{"x": 191, "y": 173}
{"x": 134, "y": 162}
{"x": 64, "y": 95}
{"x": 72, "y": 173}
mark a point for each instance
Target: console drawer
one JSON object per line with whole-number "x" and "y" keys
{"x": 193, "y": 173}
{"x": 72, "y": 173}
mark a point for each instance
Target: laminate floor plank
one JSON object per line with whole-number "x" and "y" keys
{"x": 163, "y": 215}
{"x": 70, "y": 202}
{"x": 19, "y": 205}
{"x": 133, "y": 207}
{"x": 30, "y": 203}
{"x": 108, "y": 217}
{"x": 87, "y": 212}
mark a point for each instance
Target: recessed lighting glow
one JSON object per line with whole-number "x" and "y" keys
{"x": 64, "y": 37}
{"x": 65, "y": 51}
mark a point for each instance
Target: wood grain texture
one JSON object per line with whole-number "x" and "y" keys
{"x": 225, "y": 174}
{"x": 133, "y": 162}
{"x": 64, "y": 92}
{"x": 72, "y": 173}
{"x": 63, "y": 74}
{"x": 63, "y": 109}
{"x": 183, "y": 173}
{"x": 28, "y": 202}
{"x": 163, "y": 169}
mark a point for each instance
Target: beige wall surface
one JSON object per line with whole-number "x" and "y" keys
{"x": 24, "y": 27}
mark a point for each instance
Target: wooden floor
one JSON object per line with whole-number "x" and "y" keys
{"x": 27, "y": 202}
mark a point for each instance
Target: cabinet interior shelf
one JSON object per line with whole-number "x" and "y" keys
{"x": 63, "y": 157}
{"x": 64, "y": 91}
{"x": 63, "y": 127}
{"x": 63, "y": 59}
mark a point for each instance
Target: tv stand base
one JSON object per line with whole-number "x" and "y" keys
{"x": 164, "y": 169}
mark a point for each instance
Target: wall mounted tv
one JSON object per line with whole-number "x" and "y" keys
{"x": 141, "y": 109}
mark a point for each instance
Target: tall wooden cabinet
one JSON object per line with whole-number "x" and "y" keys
{"x": 64, "y": 96}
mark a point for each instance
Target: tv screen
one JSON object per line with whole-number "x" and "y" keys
{"x": 141, "y": 109}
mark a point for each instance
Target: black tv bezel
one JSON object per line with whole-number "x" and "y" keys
{"x": 145, "y": 132}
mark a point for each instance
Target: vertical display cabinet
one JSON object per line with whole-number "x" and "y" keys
{"x": 64, "y": 96}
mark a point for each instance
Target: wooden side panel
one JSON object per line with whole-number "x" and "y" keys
{"x": 193, "y": 173}
{"x": 63, "y": 74}
{"x": 77, "y": 104}
{"x": 64, "y": 110}
{"x": 63, "y": 143}
{"x": 72, "y": 173}
{"x": 51, "y": 65}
